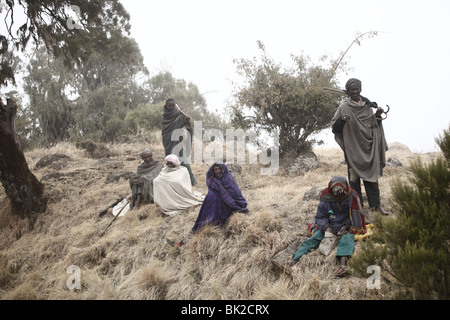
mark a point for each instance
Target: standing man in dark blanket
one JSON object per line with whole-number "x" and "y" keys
{"x": 172, "y": 120}
{"x": 359, "y": 132}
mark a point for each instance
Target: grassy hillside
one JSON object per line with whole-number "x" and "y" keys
{"x": 132, "y": 259}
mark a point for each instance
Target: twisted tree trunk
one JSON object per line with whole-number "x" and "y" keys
{"x": 21, "y": 186}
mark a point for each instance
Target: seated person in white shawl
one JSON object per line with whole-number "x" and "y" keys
{"x": 172, "y": 188}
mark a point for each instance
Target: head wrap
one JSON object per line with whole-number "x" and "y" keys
{"x": 227, "y": 188}
{"x": 327, "y": 194}
{"x": 146, "y": 152}
{"x": 351, "y": 81}
{"x": 357, "y": 219}
{"x": 338, "y": 181}
{"x": 173, "y": 159}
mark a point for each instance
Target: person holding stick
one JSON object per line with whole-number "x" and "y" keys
{"x": 360, "y": 134}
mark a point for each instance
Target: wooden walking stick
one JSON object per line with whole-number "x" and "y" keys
{"x": 374, "y": 106}
{"x": 103, "y": 212}
{"x": 181, "y": 111}
{"x": 335, "y": 90}
{"x": 115, "y": 217}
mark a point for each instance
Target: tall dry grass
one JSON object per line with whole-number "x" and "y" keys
{"x": 132, "y": 259}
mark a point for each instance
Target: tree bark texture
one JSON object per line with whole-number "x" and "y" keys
{"x": 21, "y": 186}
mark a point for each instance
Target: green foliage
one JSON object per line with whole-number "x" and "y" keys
{"x": 187, "y": 96}
{"x": 414, "y": 246}
{"x": 80, "y": 77}
{"x": 444, "y": 143}
{"x": 53, "y": 23}
{"x": 87, "y": 102}
{"x": 144, "y": 118}
{"x": 289, "y": 100}
{"x": 46, "y": 85}
{"x": 6, "y": 64}
{"x": 109, "y": 103}
{"x": 84, "y": 79}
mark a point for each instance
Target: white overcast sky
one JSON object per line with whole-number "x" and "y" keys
{"x": 406, "y": 66}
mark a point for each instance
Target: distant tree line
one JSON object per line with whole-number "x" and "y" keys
{"x": 107, "y": 99}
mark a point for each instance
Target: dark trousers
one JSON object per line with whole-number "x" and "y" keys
{"x": 372, "y": 190}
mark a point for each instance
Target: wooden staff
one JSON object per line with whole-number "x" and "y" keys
{"x": 101, "y": 235}
{"x": 102, "y": 213}
{"x": 181, "y": 111}
{"x": 345, "y": 92}
{"x": 187, "y": 124}
{"x": 336, "y": 90}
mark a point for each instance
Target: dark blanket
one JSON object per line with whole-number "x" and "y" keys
{"x": 148, "y": 172}
{"x": 223, "y": 198}
{"x": 361, "y": 138}
{"x": 171, "y": 121}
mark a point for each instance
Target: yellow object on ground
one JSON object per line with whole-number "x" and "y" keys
{"x": 370, "y": 230}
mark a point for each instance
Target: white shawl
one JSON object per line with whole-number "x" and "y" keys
{"x": 172, "y": 191}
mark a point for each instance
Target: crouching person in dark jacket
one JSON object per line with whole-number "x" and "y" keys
{"x": 339, "y": 216}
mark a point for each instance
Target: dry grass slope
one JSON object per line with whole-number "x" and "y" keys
{"x": 132, "y": 260}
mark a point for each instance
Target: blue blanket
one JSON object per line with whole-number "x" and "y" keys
{"x": 223, "y": 198}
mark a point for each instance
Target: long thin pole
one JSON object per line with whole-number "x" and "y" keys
{"x": 114, "y": 218}
{"x": 336, "y": 90}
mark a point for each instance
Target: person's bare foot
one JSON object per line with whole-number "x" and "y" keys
{"x": 291, "y": 263}
{"x": 341, "y": 272}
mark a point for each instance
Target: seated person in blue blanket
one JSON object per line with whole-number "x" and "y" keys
{"x": 340, "y": 213}
{"x": 223, "y": 199}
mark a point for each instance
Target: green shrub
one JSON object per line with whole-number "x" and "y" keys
{"x": 146, "y": 117}
{"x": 412, "y": 248}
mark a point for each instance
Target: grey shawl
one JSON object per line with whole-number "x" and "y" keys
{"x": 362, "y": 140}
{"x": 148, "y": 172}
{"x": 171, "y": 121}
